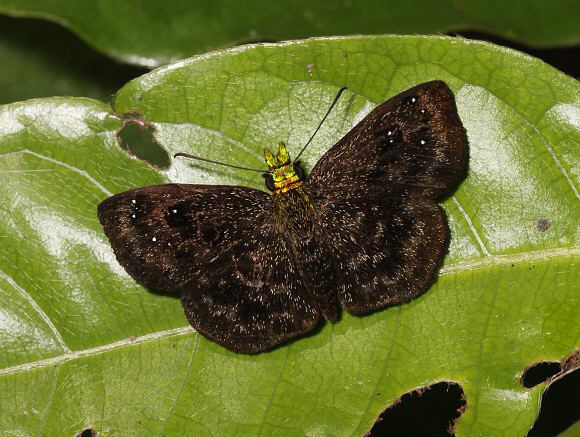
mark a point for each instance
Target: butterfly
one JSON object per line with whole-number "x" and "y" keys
{"x": 362, "y": 232}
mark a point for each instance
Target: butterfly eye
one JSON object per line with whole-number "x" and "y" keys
{"x": 269, "y": 180}
{"x": 298, "y": 170}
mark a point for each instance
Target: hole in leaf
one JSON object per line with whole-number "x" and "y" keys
{"x": 560, "y": 406}
{"x": 87, "y": 433}
{"x": 539, "y": 372}
{"x": 138, "y": 138}
{"x": 427, "y": 411}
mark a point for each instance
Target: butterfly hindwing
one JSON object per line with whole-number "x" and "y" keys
{"x": 251, "y": 297}
{"x": 385, "y": 250}
{"x": 216, "y": 244}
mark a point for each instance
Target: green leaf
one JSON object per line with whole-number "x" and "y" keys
{"x": 84, "y": 346}
{"x": 151, "y": 33}
{"x": 573, "y": 431}
{"x": 42, "y": 59}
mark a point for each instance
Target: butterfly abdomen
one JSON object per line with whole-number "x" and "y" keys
{"x": 294, "y": 214}
{"x": 318, "y": 275}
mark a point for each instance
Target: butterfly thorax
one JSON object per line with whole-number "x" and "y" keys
{"x": 283, "y": 174}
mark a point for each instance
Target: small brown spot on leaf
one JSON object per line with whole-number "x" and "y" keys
{"x": 543, "y": 224}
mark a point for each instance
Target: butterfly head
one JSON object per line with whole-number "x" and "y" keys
{"x": 283, "y": 174}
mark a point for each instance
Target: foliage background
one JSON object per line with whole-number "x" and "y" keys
{"x": 84, "y": 347}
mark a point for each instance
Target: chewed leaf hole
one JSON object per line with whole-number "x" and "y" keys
{"x": 138, "y": 138}
{"x": 431, "y": 411}
{"x": 539, "y": 372}
{"x": 560, "y": 406}
{"x": 87, "y": 433}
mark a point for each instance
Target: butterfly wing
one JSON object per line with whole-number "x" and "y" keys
{"x": 376, "y": 187}
{"x": 239, "y": 285}
{"x": 384, "y": 251}
{"x": 412, "y": 144}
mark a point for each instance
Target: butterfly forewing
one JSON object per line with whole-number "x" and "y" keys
{"x": 412, "y": 144}
{"x": 163, "y": 234}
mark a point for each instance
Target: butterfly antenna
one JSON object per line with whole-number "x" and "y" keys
{"x": 340, "y": 91}
{"x": 187, "y": 155}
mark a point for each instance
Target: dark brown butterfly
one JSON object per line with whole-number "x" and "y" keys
{"x": 362, "y": 232}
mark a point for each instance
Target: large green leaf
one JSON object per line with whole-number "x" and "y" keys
{"x": 42, "y": 59}
{"x": 84, "y": 346}
{"x": 151, "y": 32}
